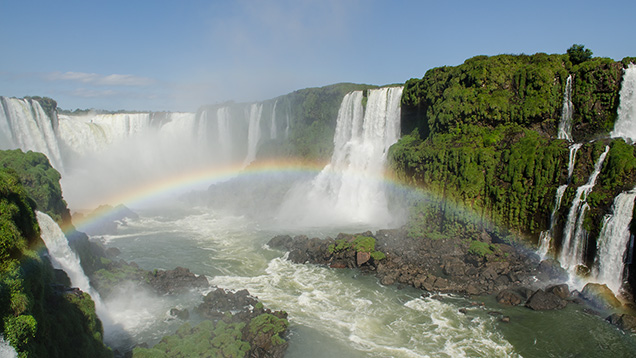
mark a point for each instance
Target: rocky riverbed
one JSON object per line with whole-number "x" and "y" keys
{"x": 451, "y": 265}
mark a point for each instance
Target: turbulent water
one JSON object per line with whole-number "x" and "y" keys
{"x": 332, "y": 312}
{"x": 341, "y": 313}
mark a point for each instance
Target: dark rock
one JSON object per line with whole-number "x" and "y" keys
{"x": 463, "y": 310}
{"x": 562, "y": 291}
{"x": 552, "y": 270}
{"x": 600, "y": 296}
{"x": 219, "y": 301}
{"x": 113, "y": 252}
{"x": 624, "y": 321}
{"x": 362, "y": 258}
{"x": 175, "y": 281}
{"x": 509, "y": 297}
{"x": 541, "y": 300}
{"x": 180, "y": 314}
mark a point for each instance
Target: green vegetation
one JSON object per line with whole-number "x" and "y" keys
{"x": 578, "y": 54}
{"x": 203, "y": 340}
{"x": 220, "y": 339}
{"x": 360, "y": 243}
{"x": 38, "y": 319}
{"x": 480, "y": 248}
{"x": 487, "y": 91}
{"x": 266, "y": 324}
{"x": 40, "y": 180}
{"x": 506, "y": 175}
{"x": 480, "y": 141}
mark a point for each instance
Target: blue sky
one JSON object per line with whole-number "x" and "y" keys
{"x": 178, "y": 55}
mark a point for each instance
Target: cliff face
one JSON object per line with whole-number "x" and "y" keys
{"x": 483, "y": 136}
{"x": 39, "y": 315}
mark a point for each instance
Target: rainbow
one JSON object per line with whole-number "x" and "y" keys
{"x": 179, "y": 183}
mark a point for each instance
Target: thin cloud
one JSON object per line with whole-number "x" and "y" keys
{"x": 100, "y": 80}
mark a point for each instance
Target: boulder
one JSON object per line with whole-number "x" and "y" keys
{"x": 600, "y": 296}
{"x": 624, "y": 321}
{"x": 362, "y": 258}
{"x": 541, "y": 301}
{"x": 562, "y": 291}
{"x": 509, "y": 297}
{"x": 174, "y": 281}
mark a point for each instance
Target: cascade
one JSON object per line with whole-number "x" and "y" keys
{"x": 613, "y": 241}
{"x": 272, "y": 128}
{"x": 224, "y": 133}
{"x": 287, "y": 126}
{"x": 565, "y": 125}
{"x": 350, "y": 186}
{"x": 545, "y": 238}
{"x": 573, "y": 242}
{"x": 62, "y": 257}
{"x": 625, "y": 125}
{"x": 254, "y": 132}
{"x": 24, "y": 125}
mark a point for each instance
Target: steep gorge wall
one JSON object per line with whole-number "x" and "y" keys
{"x": 483, "y": 136}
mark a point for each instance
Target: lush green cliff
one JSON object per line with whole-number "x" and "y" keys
{"x": 39, "y": 315}
{"x": 483, "y": 136}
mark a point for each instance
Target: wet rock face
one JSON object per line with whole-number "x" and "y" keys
{"x": 625, "y": 322}
{"x": 175, "y": 281}
{"x": 219, "y": 301}
{"x": 441, "y": 265}
{"x": 542, "y": 300}
{"x": 600, "y": 296}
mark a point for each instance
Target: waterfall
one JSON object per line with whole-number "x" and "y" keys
{"x": 625, "y": 125}
{"x": 613, "y": 241}
{"x": 6, "y": 350}
{"x": 573, "y": 242}
{"x": 545, "y": 238}
{"x": 350, "y": 189}
{"x": 253, "y": 133}
{"x": 24, "y": 125}
{"x": 224, "y": 133}
{"x": 62, "y": 257}
{"x": 272, "y": 128}
{"x": 565, "y": 125}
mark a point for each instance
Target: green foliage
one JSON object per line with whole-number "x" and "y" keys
{"x": 506, "y": 175}
{"x": 38, "y": 320}
{"x": 492, "y": 91}
{"x": 480, "y": 248}
{"x": 595, "y": 97}
{"x": 20, "y": 330}
{"x": 268, "y": 323}
{"x": 40, "y": 180}
{"x": 619, "y": 165}
{"x": 578, "y": 54}
{"x": 204, "y": 340}
{"x": 360, "y": 243}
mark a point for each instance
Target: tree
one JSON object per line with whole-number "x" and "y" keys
{"x": 578, "y": 54}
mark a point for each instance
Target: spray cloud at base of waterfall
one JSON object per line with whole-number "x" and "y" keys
{"x": 350, "y": 189}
